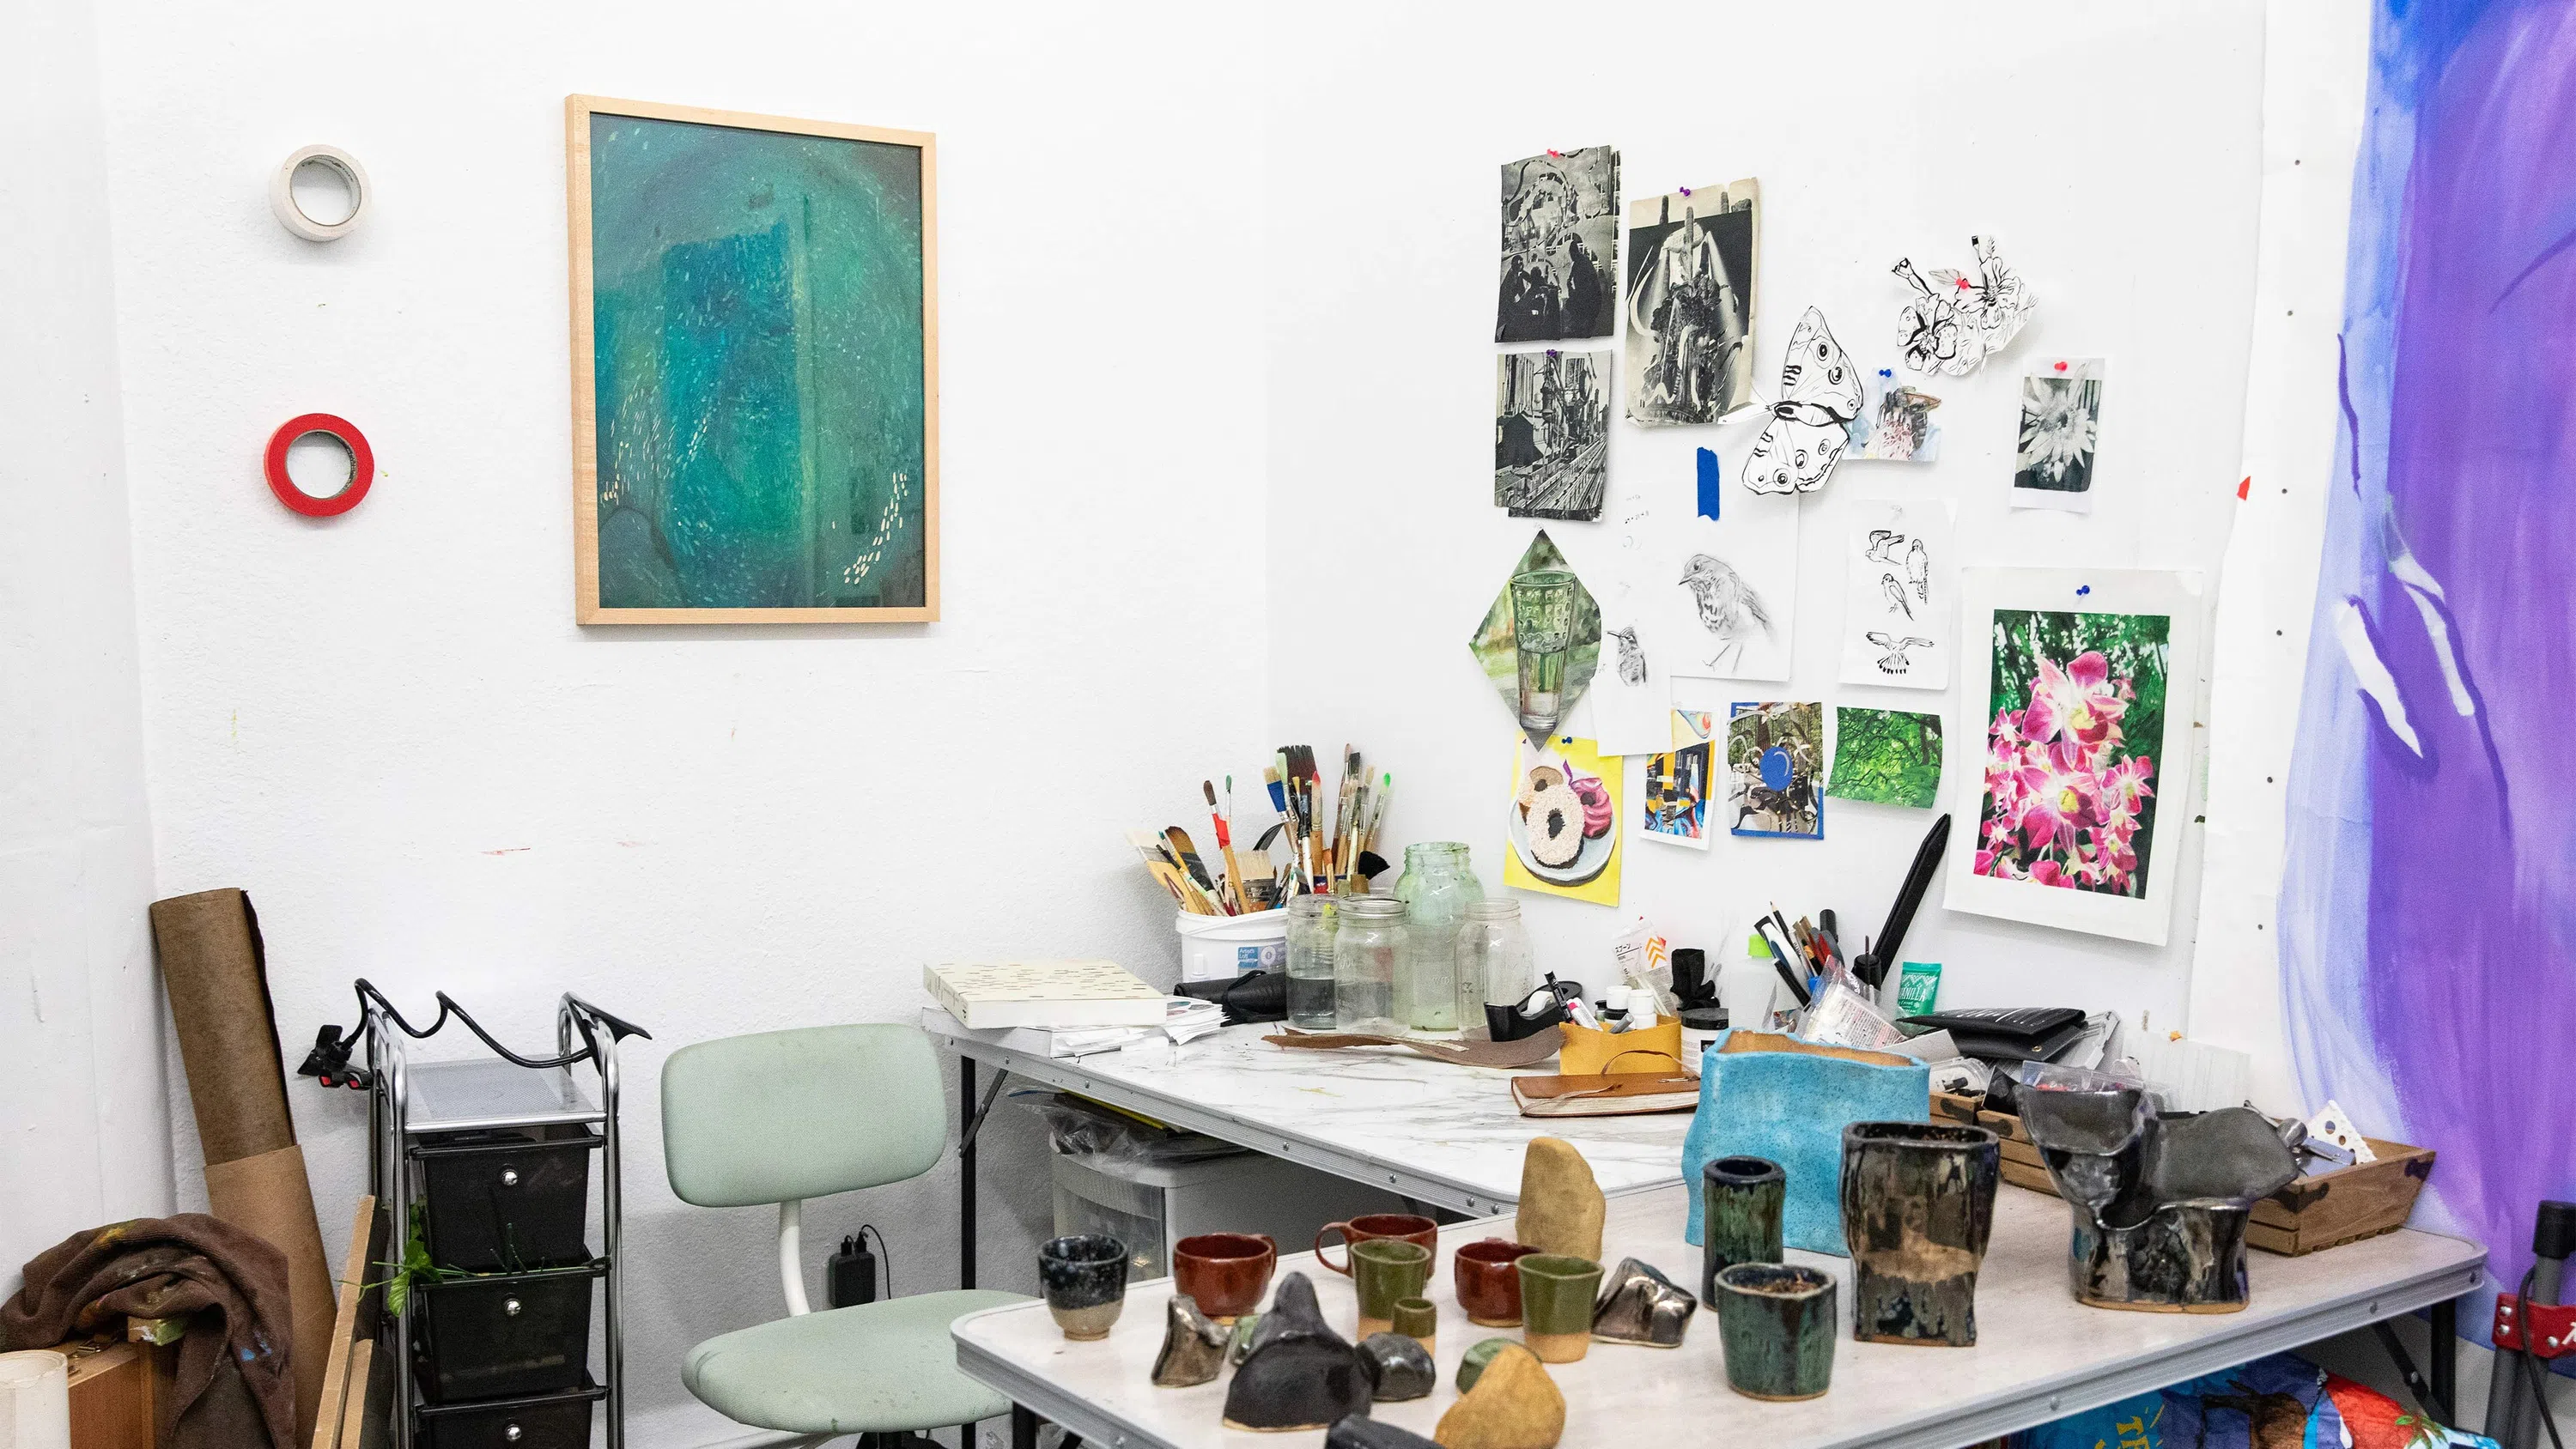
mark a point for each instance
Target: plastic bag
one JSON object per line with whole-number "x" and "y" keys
{"x": 1105, "y": 1137}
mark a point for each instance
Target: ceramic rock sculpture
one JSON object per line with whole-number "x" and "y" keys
{"x": 1918, "y": 1206}
{"x": 1561, "y": 1209}
{"x": 1398, "y": 1366}
{"x": 1193, "y": 1346}
{"x": 1298, "y": 1373}
{"x": 1359, "y": 1431}
{"x": 1640, "y": 1305}
{"x": 1514, "y": 1405}
{"x": 1473, "y": 1361}
{"x": 2159, "y": 1199}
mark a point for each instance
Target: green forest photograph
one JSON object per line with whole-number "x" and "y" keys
{"x": 1886, "y": 757}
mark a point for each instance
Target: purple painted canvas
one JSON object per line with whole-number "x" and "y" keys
{"x": 2428, "y": 905}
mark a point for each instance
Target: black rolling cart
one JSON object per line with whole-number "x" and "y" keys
{"x": 486, "y": 1165}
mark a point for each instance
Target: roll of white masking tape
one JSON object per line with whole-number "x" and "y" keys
{"x": 35, "y": 1400}
{"x": 281, "y": 193}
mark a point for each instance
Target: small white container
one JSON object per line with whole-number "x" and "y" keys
{"x": 1214, "y": 948}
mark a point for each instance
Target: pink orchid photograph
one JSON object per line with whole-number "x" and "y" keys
{"x": 2069, "y": 802}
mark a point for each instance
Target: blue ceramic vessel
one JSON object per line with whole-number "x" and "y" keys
{"x": 1762, "y": 1094}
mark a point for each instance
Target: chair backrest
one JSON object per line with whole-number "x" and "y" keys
{"x": 783, "y": 1115}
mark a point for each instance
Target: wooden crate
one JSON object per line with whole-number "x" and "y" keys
{"x": 2345, "y": 1205}
{"x": 2324, "y": 1211}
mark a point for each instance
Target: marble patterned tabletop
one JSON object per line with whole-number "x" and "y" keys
{"x": 1429, "y": 1130}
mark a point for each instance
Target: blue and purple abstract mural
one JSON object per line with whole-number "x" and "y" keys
{"x": 2428, "y": 907}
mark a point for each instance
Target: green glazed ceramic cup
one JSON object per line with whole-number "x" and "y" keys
{"x": 1777, "y": 1322}
{"x": 1556, "y": 1305}
{"x": 1386, "y": 1270}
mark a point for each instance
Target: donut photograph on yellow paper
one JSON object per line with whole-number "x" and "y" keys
{"x": 1561, "y": 829}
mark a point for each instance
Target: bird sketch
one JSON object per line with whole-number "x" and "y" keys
{"x": 1883, "y": 543}
{"x": 1894, "y": 661}
{"x": 1728, "y": 606}
{"x": 1632, "y": 656}
{"x": 1918, "y": 572}
{"x": 1895, "y": 594}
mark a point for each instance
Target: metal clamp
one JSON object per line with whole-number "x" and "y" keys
{"x": 2553, "y": 1324}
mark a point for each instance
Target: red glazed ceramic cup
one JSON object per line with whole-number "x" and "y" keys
{"x": 1224, "y": 1273}
{"x": 1407, "y": 1226}
{"x": 1488, "y": 1278}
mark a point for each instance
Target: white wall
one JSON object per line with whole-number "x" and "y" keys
{"x": 387, "y": 727}
{"x": 80, "y": 1059}
{"x": 2114, "y": 152}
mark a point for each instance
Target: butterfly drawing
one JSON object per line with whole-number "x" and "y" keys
{"x": 1895, "y": 662}
{"x": 1955, "y": 321}
{"x": 1811, "y": 423}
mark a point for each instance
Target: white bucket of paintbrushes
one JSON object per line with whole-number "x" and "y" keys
{"x": 1218, "y": 948}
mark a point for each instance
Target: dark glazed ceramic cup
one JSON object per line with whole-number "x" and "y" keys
{"x": 1918, "y": 1204}
{"x": 1777, "y": 1324}
{"x": 1487, "y": 1276}
{"x": 1224, "y": 1273}
{"x": 1085, "y": 1278}
{"x": 1741, "y": 1198}
{"x": 1556, "y": 1305}
{"x": 1407, "y": 1226}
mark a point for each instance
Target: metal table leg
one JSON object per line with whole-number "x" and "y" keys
{"x": 1024, "y": 1427}
{"x": 965, "y": 1172}
{"x": 2445, "y": 1354}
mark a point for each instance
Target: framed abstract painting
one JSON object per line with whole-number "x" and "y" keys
{"x": 755, "y": 368}
{"x": 2079, "y": 696}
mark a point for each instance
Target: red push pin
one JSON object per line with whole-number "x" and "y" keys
{"x": 2244, "y": 488}
{"x": 1552, "y": 151}
{"x": 2061, "y": 367}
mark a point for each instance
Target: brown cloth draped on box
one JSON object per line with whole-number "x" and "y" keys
{"x": 215, "y": 970}
{"x": 236, "y": 1386}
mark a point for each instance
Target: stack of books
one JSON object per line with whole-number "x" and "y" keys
{"x": 1064, "y": 1008}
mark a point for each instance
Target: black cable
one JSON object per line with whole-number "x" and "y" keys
{"x": 883, "y": 1252}
{"x": 2531, "y": 1372}
{"x": 447, "y": 1007}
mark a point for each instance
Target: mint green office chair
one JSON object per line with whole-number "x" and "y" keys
{"x": 787, "y": 1115}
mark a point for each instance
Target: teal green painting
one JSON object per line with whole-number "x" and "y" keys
{"x": 760, "y": 370}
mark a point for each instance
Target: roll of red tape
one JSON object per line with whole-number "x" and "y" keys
{"x": 362, "y": 465}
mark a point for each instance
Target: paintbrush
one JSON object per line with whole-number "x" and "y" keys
{"x": 1225, "y": 847}
{"x": 1159, "y": 863}
{"x": 1377, "y": 811}
{"x": 1301, "y": 765}
{"x": 1188, "y": 854}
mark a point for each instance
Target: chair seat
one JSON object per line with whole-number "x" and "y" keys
{"x": 874, "y": 1368}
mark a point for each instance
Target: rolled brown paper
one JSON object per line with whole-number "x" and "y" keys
{"x": 214, "y": 970}
{"x": 270, "y": 1196}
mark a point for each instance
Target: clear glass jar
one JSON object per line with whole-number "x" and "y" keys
{"x": 1436, "y": 887}
{"x": 1311, "y": 925}
{"x": 1367, "y": 941}
{"x": 1494, "y": 964}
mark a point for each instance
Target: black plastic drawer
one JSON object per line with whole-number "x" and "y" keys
{"x": 510, "y": 1336}
{"x": 550, "y": 1421}
{"x": 507, "y": 1201}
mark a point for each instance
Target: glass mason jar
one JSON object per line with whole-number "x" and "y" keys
{"x": 1311, "y": 924}
{"x": 1436, "y": 887}
{"x": 1494, "y": 966}
{"x": 1367, "y": 942}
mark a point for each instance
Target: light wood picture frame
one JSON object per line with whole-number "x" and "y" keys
{"x": 755, "y": 367}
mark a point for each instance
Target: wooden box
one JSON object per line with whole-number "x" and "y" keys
{"x": 2349, "y": 1203}
{"x": 2324, "y": 1211}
